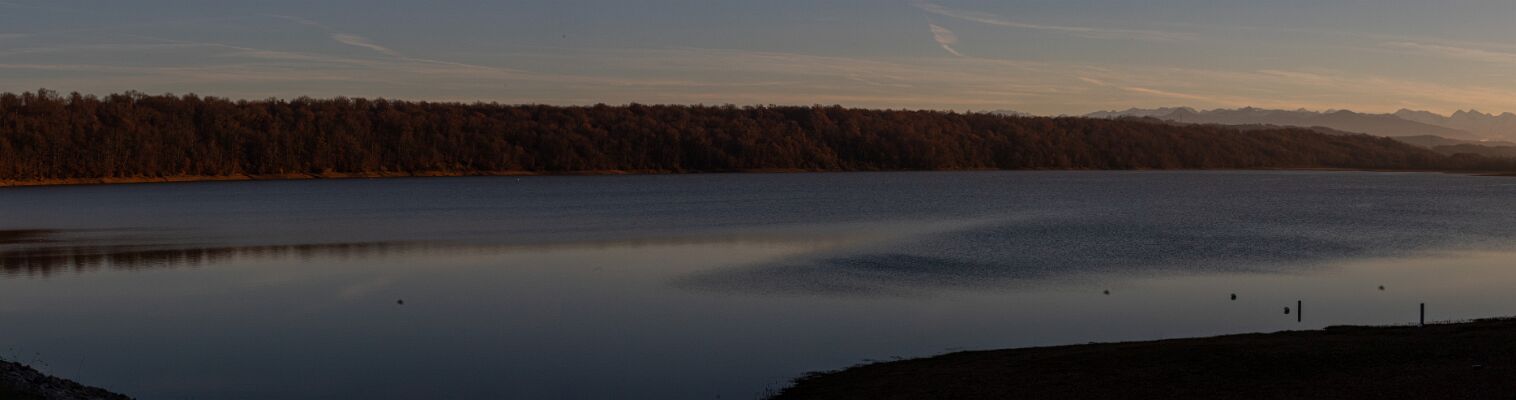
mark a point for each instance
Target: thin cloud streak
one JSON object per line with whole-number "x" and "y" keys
{"x": 302, "y": 21}
{"x": 1081, "y": 31}
{"x": 363, "y": 42}
{"x": 707, "y": 76}
{"x": 1164, "y": 93}
{"x": 342, "y": 37}
{"x": 1462, "y": 53}
{"x": 359, "y": 41}
{"x": 401, "y": 65}
{"x": 1275, "y": 67}
{"x": 688, "y": 75}
{"x": 1093, "y": 81}
{"x": 945, "y": 38}
{"x": 98, "y": 48}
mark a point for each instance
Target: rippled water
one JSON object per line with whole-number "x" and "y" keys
{"x": 706, "y": 286}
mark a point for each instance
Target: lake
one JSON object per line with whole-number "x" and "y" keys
{"x": 707, "y": 286}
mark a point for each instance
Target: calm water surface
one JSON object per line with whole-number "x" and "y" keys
{"x": 706, "y": 286}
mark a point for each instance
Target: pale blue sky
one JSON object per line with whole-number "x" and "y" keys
{"x": 1046, "y": 57}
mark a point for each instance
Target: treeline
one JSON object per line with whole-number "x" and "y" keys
{"x": 1487, "y": 151}
{"x": 46, "y": 136}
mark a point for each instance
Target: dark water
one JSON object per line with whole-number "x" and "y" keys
{"x": 706, "y": 286}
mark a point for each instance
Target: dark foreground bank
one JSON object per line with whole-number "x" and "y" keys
{"x": 20, "y": 382}
{"x": 1473, "y": 360}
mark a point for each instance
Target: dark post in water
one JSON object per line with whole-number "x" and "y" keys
{"x": 1423, "y": 314}
{"x": 1298, "y": 311}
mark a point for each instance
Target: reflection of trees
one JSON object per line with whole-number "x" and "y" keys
{"x": 48, "y": 260}
{"x": 41, "y": 253}
{"x": 24, "y": 235}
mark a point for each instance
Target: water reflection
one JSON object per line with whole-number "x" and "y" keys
{"x": 23, "y": 235}
{"x": 47, "y": 261}
{"x": 640, "y": 286}
{"x": 41, "y": 253}
{"x": 1020, "y": 252}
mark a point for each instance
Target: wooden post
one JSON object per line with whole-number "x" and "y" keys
{"x": 1423, "y": 314}
{"x": 1298, "y": 311}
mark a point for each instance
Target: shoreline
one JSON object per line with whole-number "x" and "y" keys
{"x": 11, "y": 183}
{"x": 1469, "y": 359}
{"x": 1474, "y": 359}
{"x": 20, "y": 382}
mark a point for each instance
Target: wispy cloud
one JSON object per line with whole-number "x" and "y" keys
{"x": 1081, "y": 31}
{"x": 1275, "y": 88}
{"x": 349, "y": 39}
{"x": 1297, "y": 75}
{"x": 1093, "y": 81}
{"x": 355, "y": 40}
{"x": 705, "y": 75}
{"x": 359, "y": 41}
{"x": 1462, "y": 53}
{"x": 1174, "y": 95}
{"x": 301, "y": 21}
{"x": 229, "y": 63}
{"x": 691, "y": 75}
{"x": 945, "y": 38}
{"x": 98, "y": 48}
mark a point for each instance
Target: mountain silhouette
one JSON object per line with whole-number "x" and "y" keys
{"x": 1502, "y": 127}
{"x": 1344, "y": 120}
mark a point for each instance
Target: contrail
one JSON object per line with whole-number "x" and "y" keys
{"x": 342, "y": 37}
{"x": 945, "y": 38}
{"x": 1082, "y": 31}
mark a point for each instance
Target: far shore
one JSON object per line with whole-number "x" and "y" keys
{"x": 350, "y": 175}
{"x": 5, "y": 183}
{"x": 1466, "y": 360}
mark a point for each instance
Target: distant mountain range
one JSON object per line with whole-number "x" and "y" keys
{"x": 1468, "y": 126}
{"x": 1490, "y": 126}
{"x": 1464, "y": 132}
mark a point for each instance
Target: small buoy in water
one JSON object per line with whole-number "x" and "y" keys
{"x": 1381, "y": 288}
{"x": 1107, "y": 293}
{"x": 1287, "y": 310}
{"x": 400, "y": 302}
{"x": 1234, "y": 296}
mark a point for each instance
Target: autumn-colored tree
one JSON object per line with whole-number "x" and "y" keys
{"x": 46, "y": 136}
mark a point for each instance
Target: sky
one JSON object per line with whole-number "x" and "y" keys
{"x": 1045, "y": 57}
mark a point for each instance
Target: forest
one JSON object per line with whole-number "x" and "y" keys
{"x": 45, "y": 136}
